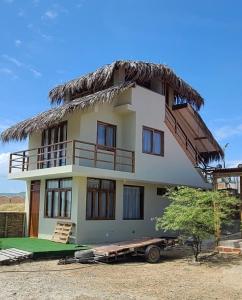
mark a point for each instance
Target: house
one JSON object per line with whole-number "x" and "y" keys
{"x": 102, "y": 157}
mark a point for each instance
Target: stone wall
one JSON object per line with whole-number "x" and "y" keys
{"x": 12, "y": 224}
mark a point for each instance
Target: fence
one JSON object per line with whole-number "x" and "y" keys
{"x": 12, "y": 224}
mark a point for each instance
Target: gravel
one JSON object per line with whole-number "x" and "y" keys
{"x": 175, "y": 277}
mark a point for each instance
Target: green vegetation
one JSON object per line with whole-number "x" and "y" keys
{"x": 197, "y": 214}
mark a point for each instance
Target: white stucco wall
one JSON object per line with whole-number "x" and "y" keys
{"x": 93, "y": 231}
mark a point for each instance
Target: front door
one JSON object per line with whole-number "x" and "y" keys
{"x": 34, "y": 208}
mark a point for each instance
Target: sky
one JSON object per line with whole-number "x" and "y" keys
{"x": 45, "y": 43}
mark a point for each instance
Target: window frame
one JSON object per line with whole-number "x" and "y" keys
{"x": 99, "y": 191}
{"x": 142, "y": 197}
{"x": 59, "y": 190}
{"x": 162, "y": 143}
{"x": 47, "y": 132}
{"x": 106, "y": 147}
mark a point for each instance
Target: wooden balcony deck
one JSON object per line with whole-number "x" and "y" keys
{"x": 74, "y": 152}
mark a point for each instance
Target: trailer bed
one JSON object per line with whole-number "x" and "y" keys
{"x": 126, "y": 247}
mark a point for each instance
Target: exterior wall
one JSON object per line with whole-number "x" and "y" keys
{"x": 94, "y": 231}
{"x": 175, "y": 167}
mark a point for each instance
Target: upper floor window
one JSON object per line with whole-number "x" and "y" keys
{"x": 53, "y": 150}
{"x": 106, "y": 135}
{"x": 58, "y": 198}
{"x": 153, "y": 141}
{"x": 100, "y": 199}
{"x": 55, "y": 134}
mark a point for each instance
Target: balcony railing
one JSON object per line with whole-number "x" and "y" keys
{"x": 182, "y": 138}
{"x": 74, "y": 152}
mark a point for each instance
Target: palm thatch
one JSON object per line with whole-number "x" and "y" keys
{"x": 136, "y": 71}
{"x": 55, "y": 115}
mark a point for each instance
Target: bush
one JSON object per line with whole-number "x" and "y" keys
{"x": 196, "y": 214}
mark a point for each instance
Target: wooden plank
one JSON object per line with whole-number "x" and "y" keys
{"x": 126, "y": 246}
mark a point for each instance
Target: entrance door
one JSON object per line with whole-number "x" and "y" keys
{"x": 34, "y": 208}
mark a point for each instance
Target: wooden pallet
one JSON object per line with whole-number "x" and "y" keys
{"x": 13, "y": 255}
{"x": 62, "y": 232}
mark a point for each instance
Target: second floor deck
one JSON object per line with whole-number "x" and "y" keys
{"x": 75, "y": 152}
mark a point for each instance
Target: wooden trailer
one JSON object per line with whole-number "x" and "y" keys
{"x": 150, "y": 248}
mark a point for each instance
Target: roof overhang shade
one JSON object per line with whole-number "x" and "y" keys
{"x": 197, "y": 131}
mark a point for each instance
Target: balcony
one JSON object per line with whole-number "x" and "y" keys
{"x": 74, "y": 152}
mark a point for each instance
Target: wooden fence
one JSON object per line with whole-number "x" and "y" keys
{"x": 12, "y": 224}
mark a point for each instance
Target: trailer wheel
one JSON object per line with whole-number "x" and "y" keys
{"x": 152, "y": 254}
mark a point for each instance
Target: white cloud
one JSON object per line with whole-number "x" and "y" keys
{"x": 18, "y": 43}
{"x": 4, "y": 161}
{"x": 8, "y": 72}
{"x": 35, "y": 72}
{"x": 228, "y": 131}
{"x": 12, "y": 60}
{"x": 50, "y": 14}
{"x": 20, "y": 64}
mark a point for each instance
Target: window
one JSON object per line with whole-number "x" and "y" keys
{"x": 153, "y": 141}
{"x": 58, "y": 198}
{"x": 55, "y": 154}
{"x": 100, "y": 199}
{"x": 133, "y": 203}
{"x": 106, "y": 135}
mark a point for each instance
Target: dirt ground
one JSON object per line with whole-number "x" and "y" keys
{"x": 173, "y": 278}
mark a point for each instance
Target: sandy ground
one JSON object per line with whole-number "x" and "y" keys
{"x": 173, "y": 278}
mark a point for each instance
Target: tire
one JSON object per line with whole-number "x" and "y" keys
{"x": 152, "y": 254}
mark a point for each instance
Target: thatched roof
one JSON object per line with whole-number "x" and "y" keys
{"x": 137, "y": 71}
{"x": 98, "y": 87}
{"x": 52, "y": 117}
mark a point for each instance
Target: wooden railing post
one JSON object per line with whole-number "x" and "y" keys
{"x": 23, "y": 161}
{"x": 10, "y": 163}
{"x": 95, "y": 156}
{"x": 73, "y": 152}
{"x": 114, "y": 159}
{"x": 133, "y": 162}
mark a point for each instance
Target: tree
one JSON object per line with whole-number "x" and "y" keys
{"x": 196, "y": 214}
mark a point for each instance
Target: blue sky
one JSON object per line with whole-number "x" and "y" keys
{"x": 44, "y": 43}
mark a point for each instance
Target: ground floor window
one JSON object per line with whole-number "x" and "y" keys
{"x": 100, "y": 199}
{"x": 58, "y": 198}
{"x": 133, "y": 202}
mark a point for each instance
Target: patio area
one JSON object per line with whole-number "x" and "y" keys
{"x": 41, "y": 248}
